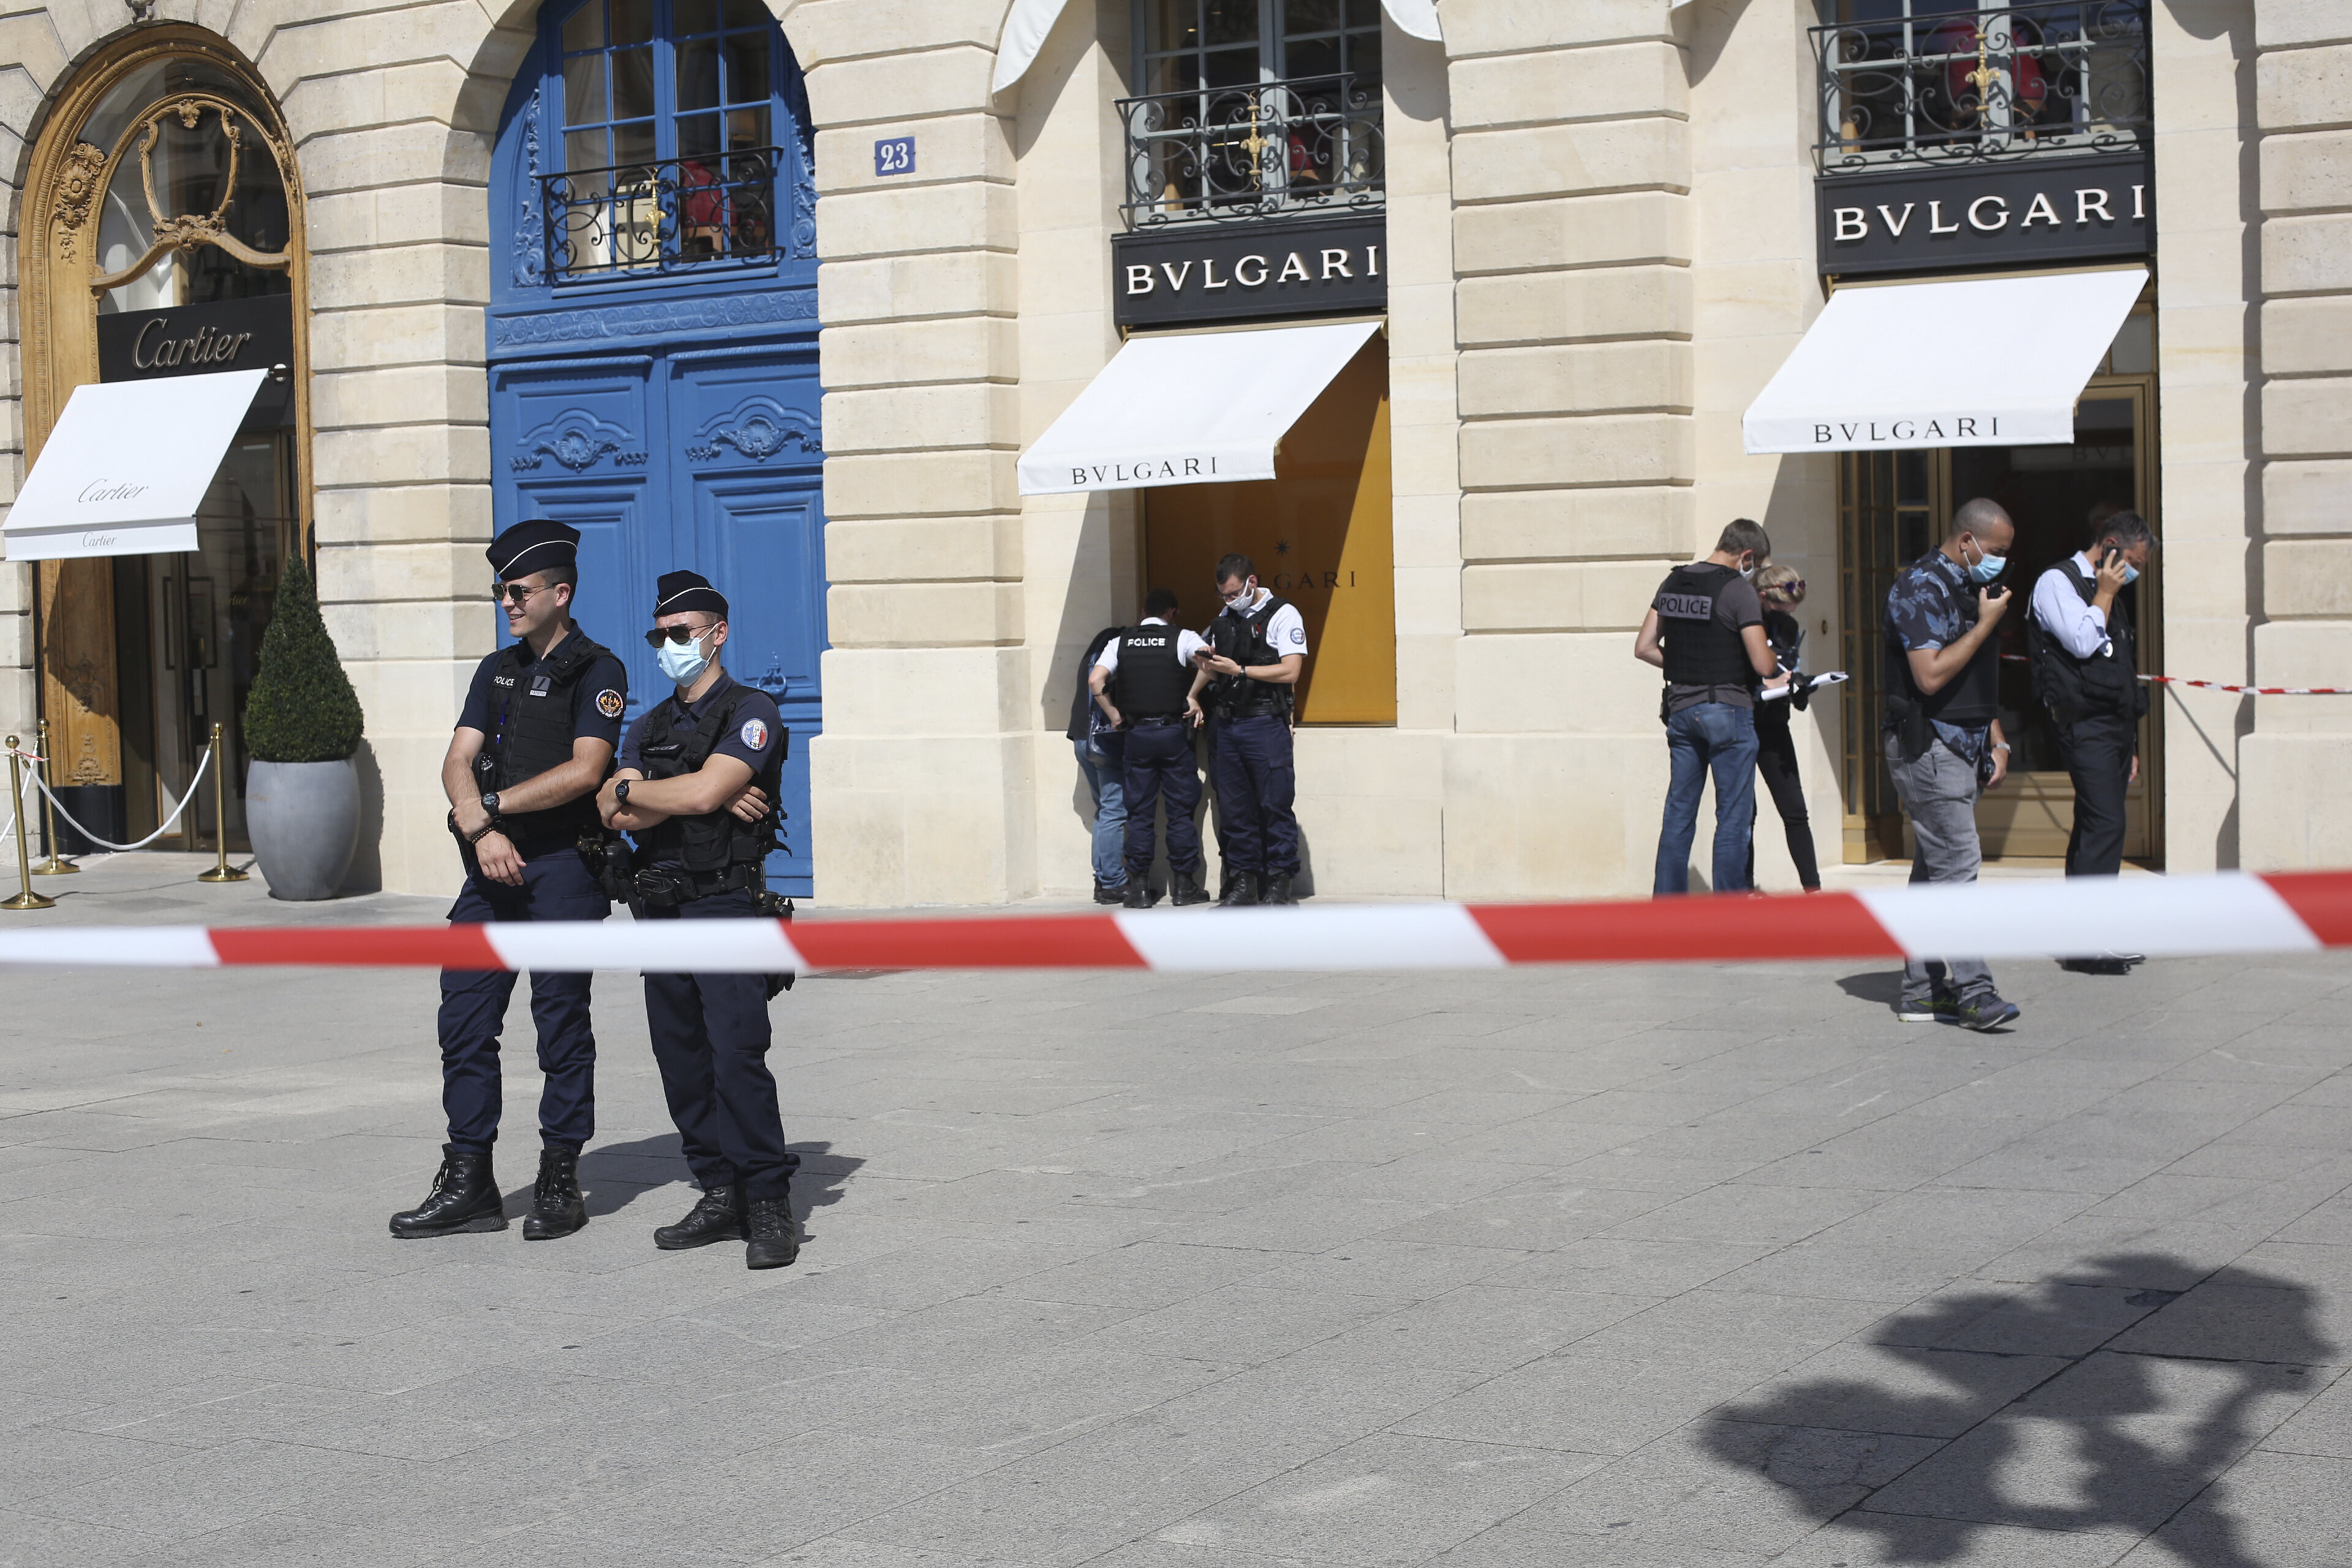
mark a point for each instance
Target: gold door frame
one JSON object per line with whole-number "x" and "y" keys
{"x": 75, "y": 636}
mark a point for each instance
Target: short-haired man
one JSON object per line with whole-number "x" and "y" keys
{"x": 1943, "y": 739}
{"x": 1706, "y": 630}
{"x": 697, "y": 789}
{"x": 2086, "y": 672}
{"x": 1249, "y": 668}
{"x": 1142, "y": 681}
{"x": 533, "y": 740}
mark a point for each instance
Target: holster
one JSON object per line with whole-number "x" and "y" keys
{"x": 610, "y": 862}
{"x": 1914, "y": 730}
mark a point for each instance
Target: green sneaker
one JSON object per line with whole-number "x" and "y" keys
{"x": 1933, "y": 1010}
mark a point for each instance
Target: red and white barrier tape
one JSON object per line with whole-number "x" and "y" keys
{"x": 2221, "y": 685}
{"x": 2230, "y": 913}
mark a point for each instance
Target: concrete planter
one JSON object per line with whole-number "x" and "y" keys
{"x": 304, "y": 819}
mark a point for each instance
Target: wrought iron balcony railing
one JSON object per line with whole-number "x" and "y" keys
{"x": 666, "y": 216}
{"x": 1311, "y": 145}
{"x": 2041, "y": 79}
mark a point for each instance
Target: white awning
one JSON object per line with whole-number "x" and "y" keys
{"x": 1193, "y": 409}
{"x": 1995, "y": 362}
{"x": 1028, "y": 23}
{"x": 128, "y": 466}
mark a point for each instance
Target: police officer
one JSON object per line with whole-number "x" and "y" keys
{"x": 533, "y": 742}
{"x": 697, "y": 789}
{"x": 1249, "y": 669}
{"x": 1705, "y": 629}
{"x": 1142, "y": 679}
{"x": 2086, "y": 671}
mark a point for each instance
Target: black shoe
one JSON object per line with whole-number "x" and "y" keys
{"x": 775, "y": 1238}
{"x": 1109, "y": 892}
{"x": 1183, "y": 890}
{"x": 556, "y": 1207}
{"x": 1985, "y": 1011}
{"x": 1240, "y": 889}
{"x": 465, "y": 1197}
{"x": 2106, "y": 963}
{"x": 1139, "y": 894}
{"x": 717, "y": 1216}
{"x": 1278, "y": 890}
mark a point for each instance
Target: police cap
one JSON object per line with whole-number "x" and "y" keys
{"x": 679, "y": 592}
{"x": 539, "y": 545}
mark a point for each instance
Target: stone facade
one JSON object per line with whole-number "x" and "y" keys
{"x": 1601, "y": 247}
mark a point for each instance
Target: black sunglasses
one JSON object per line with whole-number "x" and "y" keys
{"x": 661, "y": 634}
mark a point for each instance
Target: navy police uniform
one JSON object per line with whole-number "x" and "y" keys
{"x": 710, "y": 1032}
{"x": 1256, "y": 780}
{"x": 530, "y": 709}
{"x": 1150, "y": 679}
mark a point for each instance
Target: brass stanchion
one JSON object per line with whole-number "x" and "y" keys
{"x": 221, "y": 872}
{"x": 56, "y": 865}
{"x": 27, "y": 898}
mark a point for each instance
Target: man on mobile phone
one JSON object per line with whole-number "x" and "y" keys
{"x": 2086, "y": 671}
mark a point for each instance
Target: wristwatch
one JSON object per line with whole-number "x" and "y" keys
{"x": 490, "y": 804}
{"x": 621, "y": 791}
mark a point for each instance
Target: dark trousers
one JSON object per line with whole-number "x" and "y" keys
{"x": 2097, "y": 754}
{"x": 1256, "y": 787}
{"x": 1776, "y": 760}
{"x": 556, "y": 885}
{"x": 1159, "y": 764}
{"x": 710, "y": 1041}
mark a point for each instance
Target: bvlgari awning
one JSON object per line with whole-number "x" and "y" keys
{"x": 1195, "y": 408}
{"x": 128, "y": 466}
{"x": 1994, "y": 362}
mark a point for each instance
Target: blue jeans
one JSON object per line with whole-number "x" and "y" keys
{"x": 1106, "y": 782}
{"x": 1719, "y": 737}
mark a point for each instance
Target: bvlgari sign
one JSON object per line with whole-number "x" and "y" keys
{"x": 1255, "y": 269}
{"x": 1915, "y": 217}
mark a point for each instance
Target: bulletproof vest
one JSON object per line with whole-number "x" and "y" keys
{"x": 717, "y": 840}
{"x": 2105, "y": 683}
{"x": 1700, "y": 650}
{"x": 1970, "y": 699}
{"x": 534, "y": 732}
{"x": 1243, "y": 639}
{"x": 1148, "y": 682}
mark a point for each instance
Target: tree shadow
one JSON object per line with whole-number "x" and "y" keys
{"x": 615, "y": 1175}
{"x": 2106, "y": 1398}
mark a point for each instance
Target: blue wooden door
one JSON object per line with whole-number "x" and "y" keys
{"x": 653, "y": 339}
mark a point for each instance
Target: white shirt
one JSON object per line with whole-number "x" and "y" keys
{"x": 1286, "y": 634}
{"x": 2080, "y": 628}
{"x": 1187, "y": 644}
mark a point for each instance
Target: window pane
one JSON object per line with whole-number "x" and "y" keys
{"x": 697, "y": 15}
{"x": 585, "y": 29}
{"x": 632, "y": 83}
{"x": 584, "y": 91}
{"x": 634, "y": 143}
{"x": 1310, "y": 16}
{"x": 633, "y": 21}
{"x": 747, "y": 128}
{"x": 1364, "y": 14}
{"x": 698, "y": 136}
{"x": 586, "y": 150}
{"x": 749, "y": 13}
{"x": 1173, "y": 27}
{"x": 747, "y": 68}
{"x": 1229, "y": 68}
{"x": 1232, "y": 21}
{"x": 1176, "y": 73}
{"x": 698, "y": 75}
{"x": 1320, "y": 58}
{"x": 1364, "y": 57}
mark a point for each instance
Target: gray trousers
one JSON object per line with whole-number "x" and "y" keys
{"x": 1939, "y": 792}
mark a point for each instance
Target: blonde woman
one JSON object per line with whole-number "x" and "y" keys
{"x": 1782, "y": 589}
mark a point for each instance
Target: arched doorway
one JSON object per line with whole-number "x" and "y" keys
{"x": 164, "y": 212}
{"x": 652, "y": 343}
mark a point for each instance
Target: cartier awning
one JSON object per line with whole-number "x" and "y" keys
{"x": 127, "y": 467}
{"x": 1995, "y": 362}
{"x": 1189, "y": 409}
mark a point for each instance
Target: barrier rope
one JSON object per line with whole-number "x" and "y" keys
{"x": 2221, "y": 685}
{"x": 194, "y": 779}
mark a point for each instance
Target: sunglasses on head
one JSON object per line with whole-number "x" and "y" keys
{"x": 661, "y": 634}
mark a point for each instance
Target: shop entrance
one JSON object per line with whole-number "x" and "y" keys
{"x": 1893, "y": 509}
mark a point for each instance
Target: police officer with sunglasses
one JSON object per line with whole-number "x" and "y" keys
{"x": 696, "y": 788}
{"x": 534, "y": 739}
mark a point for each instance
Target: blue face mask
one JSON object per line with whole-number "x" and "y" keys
{"x": 683, "y": 662}
{"x": 2131, "y": 574}
{"x": 1987, "y": 567}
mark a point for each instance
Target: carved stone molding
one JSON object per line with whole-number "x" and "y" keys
{"x": 758, "y": 428}
{"x": 77, "y": 191}
{"x": 586, "y": 324}
{"x": 577, "y": 439}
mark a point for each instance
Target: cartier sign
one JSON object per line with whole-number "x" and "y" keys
{"x": 1922, "y": 218}
{"x": 1254, "y": 269}
{"x": 196, "y": 340}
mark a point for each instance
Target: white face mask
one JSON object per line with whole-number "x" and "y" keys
{"x": 683, "y": 662}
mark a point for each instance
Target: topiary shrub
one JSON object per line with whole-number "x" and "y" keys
{"x": 301, "y": 708}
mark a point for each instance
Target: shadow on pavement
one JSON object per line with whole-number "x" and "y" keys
{"x": 615, "y": 1175}
{"x": 2107, "y": 1398}
{"x": 1884, "y": 988}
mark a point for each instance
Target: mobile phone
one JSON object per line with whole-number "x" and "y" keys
{"x": 2110, "y": 558}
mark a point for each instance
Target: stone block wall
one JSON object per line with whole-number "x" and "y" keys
{"x": 2294, "y": 763}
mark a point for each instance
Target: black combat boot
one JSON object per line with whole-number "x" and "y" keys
{"x": 717, "y": 1216}
{"x": 465, "y": 1196}
{"x": 1240, "y": 889}
{"x": 775, "y": 1238}
{"x": 1183, "y": 890}
{"x": 1139, "y": 894}
{"x": 556, "y": 1207}
{"x": 1278, "y": 888}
